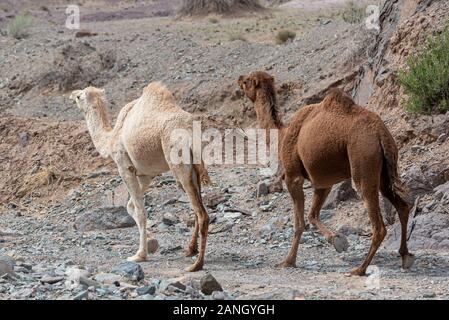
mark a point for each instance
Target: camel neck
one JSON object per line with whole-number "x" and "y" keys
{"x": 267, "y": 112}
{"x": 99, "y": 128}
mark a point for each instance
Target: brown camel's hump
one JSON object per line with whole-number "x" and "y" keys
{"x": 156, "y": 91}
{"x": 338, "y": 100}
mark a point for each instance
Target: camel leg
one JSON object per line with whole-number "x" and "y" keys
{"x": 192, "y": 249}
{"x": 191, "y": 185}
{"x": 294, "y": 185}
{"x": 319, "y": 197}
{"x": 338, "y": 240}
{"x": 403, "y": 209}
{"x": 136, "y": 206}
{"x": 370, "y": 196}
{"x": 145, "y": 182}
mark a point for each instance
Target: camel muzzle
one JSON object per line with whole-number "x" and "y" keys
{"x": 75, "y": 94}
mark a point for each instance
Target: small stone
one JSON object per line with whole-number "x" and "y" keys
{"x": 209, "y": 284}
{"x": 82, "y": 295}
{"x": 88, "y": 282}
{"x": 153, "y": 245}
{"x": 51, "y": 280}
{"x": 218, "y": 295}
{"x": 169, "y": 219}
{"x": 232, "y": 215}
{"x": 23, "y": 139}
{"x": 212, "y": 200}
{"x": 151, "y": 290}
{"x": 262, "y": 189}
{"x": 178, "y": 285}
{"x": 130, "y": 270}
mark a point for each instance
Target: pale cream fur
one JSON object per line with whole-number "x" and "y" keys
{"x": 140, "y": 145}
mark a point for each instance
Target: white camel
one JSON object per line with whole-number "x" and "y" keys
{"x": 140, "y": 144}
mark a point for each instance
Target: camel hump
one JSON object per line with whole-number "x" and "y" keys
{"x": 338, "y": 98}
{"x": 157, "y": 91}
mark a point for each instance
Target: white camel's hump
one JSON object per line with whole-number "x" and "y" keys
{"x": 157, "y": 92}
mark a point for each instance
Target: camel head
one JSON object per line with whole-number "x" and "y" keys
{"x": 84, "y": 98}
{"x": 255, "y": 81}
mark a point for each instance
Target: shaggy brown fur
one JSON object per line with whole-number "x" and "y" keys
{"x": 327, "y": 143}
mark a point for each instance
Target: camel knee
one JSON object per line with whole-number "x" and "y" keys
{"x": 379, "y": 234}
{"x": 204, "y": 221}
{"x": 130, "y": 207}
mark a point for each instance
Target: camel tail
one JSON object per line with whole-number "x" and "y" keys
{"x": 390, "y": 176}
{"x": 201, "y": 171}
{"x": 202, "y": 174}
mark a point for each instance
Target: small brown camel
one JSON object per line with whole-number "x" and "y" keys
{"x": 327, "y": 143}
{"x": 140, "y": 145}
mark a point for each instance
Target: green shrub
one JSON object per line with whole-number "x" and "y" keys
{"x": 426, "y": 82}
{"x": 285, "y": 35}
{"x": 213, "y": 20}
{"x": 353, "y": 13}
{"x": 19, "y": 27}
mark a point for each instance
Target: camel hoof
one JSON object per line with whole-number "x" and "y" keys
{"x": 195, "y": 268}
{"x": 191, "y": 252}
{"x": 286, "y": 264}
{"x": 137, "y": 258}
{"x": 356, "y": 272}
{"x": 340, "y": 243}
{"x": 407, "y": 261}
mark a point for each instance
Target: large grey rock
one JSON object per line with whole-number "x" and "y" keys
{"x": 151, "y": 290}
{"x": 129, "y": 270}
{"x": 6, "y": 265}
{"x": 117, "y": 197}
{"x": 426, "y": 231}
{"x": 104, "y": 219}
{"x": 209, "y": 284}
{"x": 341, "y": 192}
{"x": 423, "y": 179}
{"x": 109, "y": 278}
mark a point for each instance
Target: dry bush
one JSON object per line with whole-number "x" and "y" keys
{"x": 19, "y": 27}
{"x": 285, "y": 35}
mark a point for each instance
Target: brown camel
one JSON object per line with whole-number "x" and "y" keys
{"x": 140, "y": 144}
{"x": 327, "y": 143}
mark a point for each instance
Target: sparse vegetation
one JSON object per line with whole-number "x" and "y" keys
{"x": 427, "y": 81}
{"x": 205, "y": 7}
{"x": 3, "y": 7}
{"x": 19, "y": 27}
{"x": 285, "y": 35}
{"x": 213, "y": 20}
{"x": 353, "y": 12}
{"x": 235, "y": 37}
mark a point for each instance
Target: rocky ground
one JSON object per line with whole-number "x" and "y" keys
{"x": 64, "y": 233}
{"x": 64, "y": 251}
